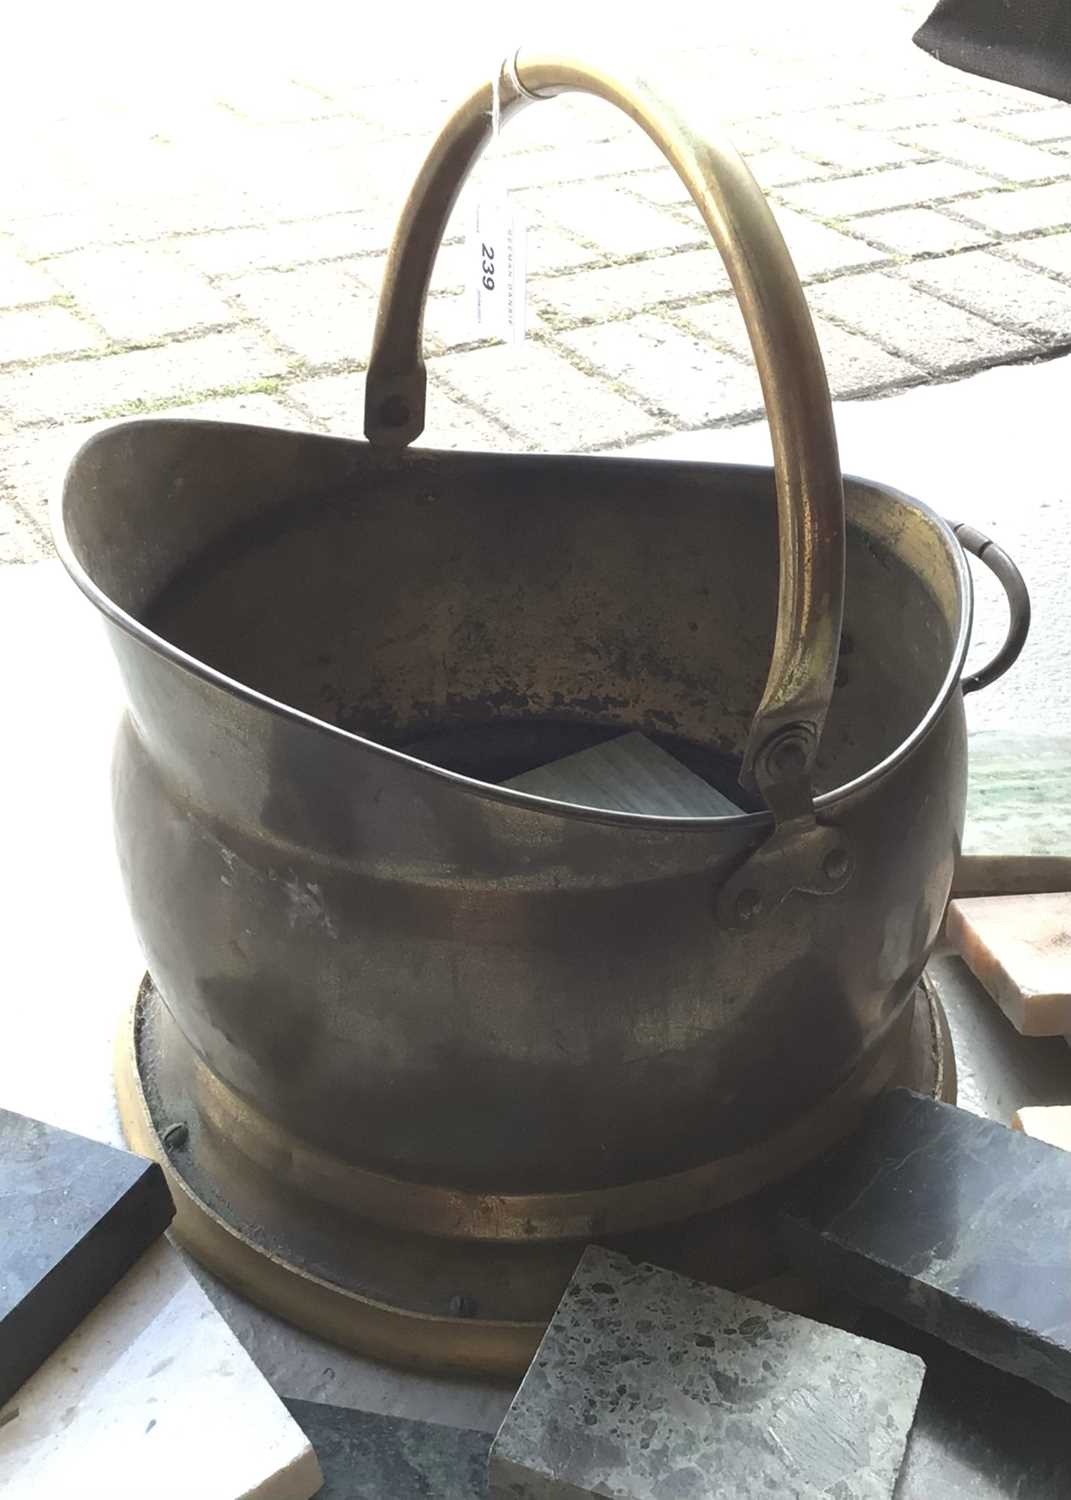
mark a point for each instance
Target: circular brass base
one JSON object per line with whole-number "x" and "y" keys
{"x": 416, "y": 1299}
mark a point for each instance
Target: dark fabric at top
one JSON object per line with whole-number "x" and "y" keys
{"x": 1023, "y": 42}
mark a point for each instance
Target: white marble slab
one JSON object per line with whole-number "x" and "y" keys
{"x": 153, "y": 1395}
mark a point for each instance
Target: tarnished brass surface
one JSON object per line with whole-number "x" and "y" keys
{"x": 454, "y": 1213}
{"x": 404, "y": 1295}
{"x": 290, "y": 1289}
{"x": 442, "y": 980}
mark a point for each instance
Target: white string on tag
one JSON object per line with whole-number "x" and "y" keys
{"x": 509, "y": 67}
{"x": 496, "y": 249}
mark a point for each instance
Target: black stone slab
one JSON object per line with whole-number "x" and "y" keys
{"x": 74, "y": 1217}
{"x": 953, "y": 1223}
{"x": 979, "y": 1433}
{"x": 364, "y": 1456}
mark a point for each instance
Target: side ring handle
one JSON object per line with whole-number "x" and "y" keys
{"x": 998, "y": 562}
{"x": 785, "y": 732}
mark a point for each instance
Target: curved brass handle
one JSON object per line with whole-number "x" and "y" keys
{"x": 786, "y": 728}
{"x": 1011, "y": 580}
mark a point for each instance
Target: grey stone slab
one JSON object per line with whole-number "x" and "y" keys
{"x": 74, "y": 1217}
{"x": 979, "y": 1434}
{"x": 652, "y": 1386}
{"x": 953, "y": 1223}
{"x": 366, "y": 1456}
{"x": 627, "y": 774}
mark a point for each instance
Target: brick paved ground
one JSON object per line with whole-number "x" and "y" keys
{"x": 217, "y": 250}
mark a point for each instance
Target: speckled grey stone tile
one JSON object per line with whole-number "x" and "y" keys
{"x": 653, "y": 1387}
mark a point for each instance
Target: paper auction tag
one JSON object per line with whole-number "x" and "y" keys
{"x": 496, "y": 263}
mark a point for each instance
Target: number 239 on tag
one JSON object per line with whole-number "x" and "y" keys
{"x": 497, "y": 268}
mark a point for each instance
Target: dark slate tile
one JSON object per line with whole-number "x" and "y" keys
{"x": 364, "y": 1456}
{"x": 979, "y": 1433}
{"x": 74, "y": 1217}
{"x": 954, "y": 1223}
{"x": 649, "y": 1386}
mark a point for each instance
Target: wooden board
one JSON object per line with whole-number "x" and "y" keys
{"x": 1019, "y": 950}
{"x": 1018, "y": 831}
